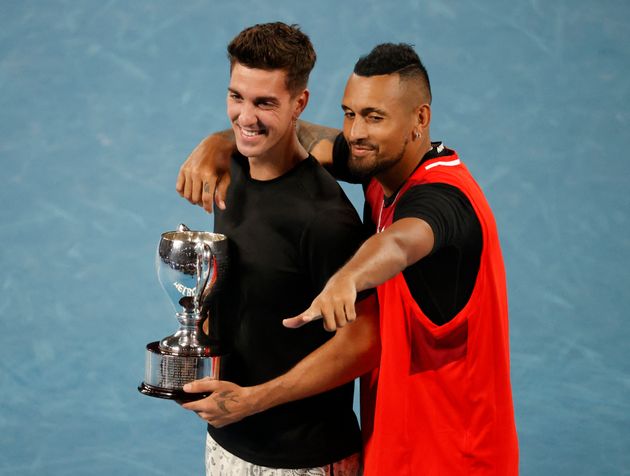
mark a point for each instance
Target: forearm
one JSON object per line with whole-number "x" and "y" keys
{"x": 223, "y": 138}
{"x": 353, "y": 351}
{"x": 386, "y": 254}
{"x": 317, "y": 140}
{"x": 313, "y": 138}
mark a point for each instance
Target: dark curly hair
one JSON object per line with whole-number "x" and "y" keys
{"x": 272, "y": 46}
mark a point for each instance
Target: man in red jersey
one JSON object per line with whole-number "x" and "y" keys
{"x": 440, "y": 401}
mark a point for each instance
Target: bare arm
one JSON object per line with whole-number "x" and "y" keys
{"x": 318, "y": 140}
{"x": 204, "y": 177}
{"x": 351, "y": 352}
{"x": 380, "y": 258}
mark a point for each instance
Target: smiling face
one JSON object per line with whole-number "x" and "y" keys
{"x": 380, "y": 120}
{"x": 262, "y": 110}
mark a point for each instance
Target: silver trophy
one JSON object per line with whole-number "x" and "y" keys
{"x": 191, "y": 267}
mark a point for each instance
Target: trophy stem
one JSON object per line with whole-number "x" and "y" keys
{"x": 190, "y": 339}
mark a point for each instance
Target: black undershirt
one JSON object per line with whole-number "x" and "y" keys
{"x": 442, "y": 282}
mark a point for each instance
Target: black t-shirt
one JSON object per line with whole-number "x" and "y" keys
{"x": 442, "y": 282}
{"x": 287, "y": 237}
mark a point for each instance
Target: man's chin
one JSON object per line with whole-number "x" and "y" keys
{"x": 358, "y": 171}
{"x": 249, "y": 150}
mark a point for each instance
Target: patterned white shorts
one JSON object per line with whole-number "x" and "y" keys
{"x": 220, "y": 462}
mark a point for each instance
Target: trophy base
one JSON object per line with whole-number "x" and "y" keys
{"x": 170, "y": 394}
{"x": 166, "y": 374}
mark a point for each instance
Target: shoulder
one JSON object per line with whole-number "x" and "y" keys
{"x": 446, "y": 209}
{"x": 418, "y": 192}
{"x": 239, "y": 167}
{"x": 433, "y": 198}
{"x": 330, "y": 207}
{"x": 316, "y": 182}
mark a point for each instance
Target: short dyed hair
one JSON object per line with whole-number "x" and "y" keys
{"x": 391, "y": 58}
{"x": 272, "y": 46}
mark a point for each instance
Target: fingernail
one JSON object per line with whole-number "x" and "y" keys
{"x": 187, "y": 387}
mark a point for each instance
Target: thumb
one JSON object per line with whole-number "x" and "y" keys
{"x": 207, "y": 384}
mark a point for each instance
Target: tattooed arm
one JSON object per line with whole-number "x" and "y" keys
{"x": 350, "y": 353}
{"x": 204, "y": 177}
{"x": 318, "y": 140}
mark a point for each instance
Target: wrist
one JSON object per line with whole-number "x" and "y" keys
{"x": 275, "y": 392}
{"x": 344, "y": 279}
{"x": 263, "y": 396}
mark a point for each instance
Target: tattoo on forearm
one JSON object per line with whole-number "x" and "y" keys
{"x": 310, "y": 134}
{"x": 223, "y": 398}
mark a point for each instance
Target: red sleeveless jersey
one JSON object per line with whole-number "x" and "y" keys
{"x": 441, "y": 401}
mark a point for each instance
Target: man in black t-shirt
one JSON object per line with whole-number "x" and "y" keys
{"x": 440, "y": 401}
{"x": 284, "y": 398}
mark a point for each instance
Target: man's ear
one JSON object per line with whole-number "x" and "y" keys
{"x": 423, "y": 116}
{"x": 300, "y": 103}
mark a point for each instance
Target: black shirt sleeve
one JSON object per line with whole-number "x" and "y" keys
{"x": 445, "y": 208}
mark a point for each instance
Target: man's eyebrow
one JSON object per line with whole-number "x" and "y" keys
{"x": 271, "y": 99}
{"x": 258, "y": 99}
{"x": 367, "y": 110}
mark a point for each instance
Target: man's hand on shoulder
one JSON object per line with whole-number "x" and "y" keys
{"x": 204, "y": 177}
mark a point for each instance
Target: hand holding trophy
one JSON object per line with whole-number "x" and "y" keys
{"x": 191, "y": 266}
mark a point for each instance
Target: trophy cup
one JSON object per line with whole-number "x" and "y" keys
{"x": 191, "y": 266}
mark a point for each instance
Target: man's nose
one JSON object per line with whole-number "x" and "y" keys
{"x": 247, "y": 115}
{"x": 358, "y": 129}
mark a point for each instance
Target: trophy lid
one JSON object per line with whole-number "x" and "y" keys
{"x": 185, "y": 234}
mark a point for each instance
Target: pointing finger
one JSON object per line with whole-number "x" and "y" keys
{"x": 299, "y": 321}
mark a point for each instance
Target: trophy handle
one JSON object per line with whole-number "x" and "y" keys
{"x": 204, "y": 270}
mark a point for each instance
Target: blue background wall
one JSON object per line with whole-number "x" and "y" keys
{"x": 101, "y": 101}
